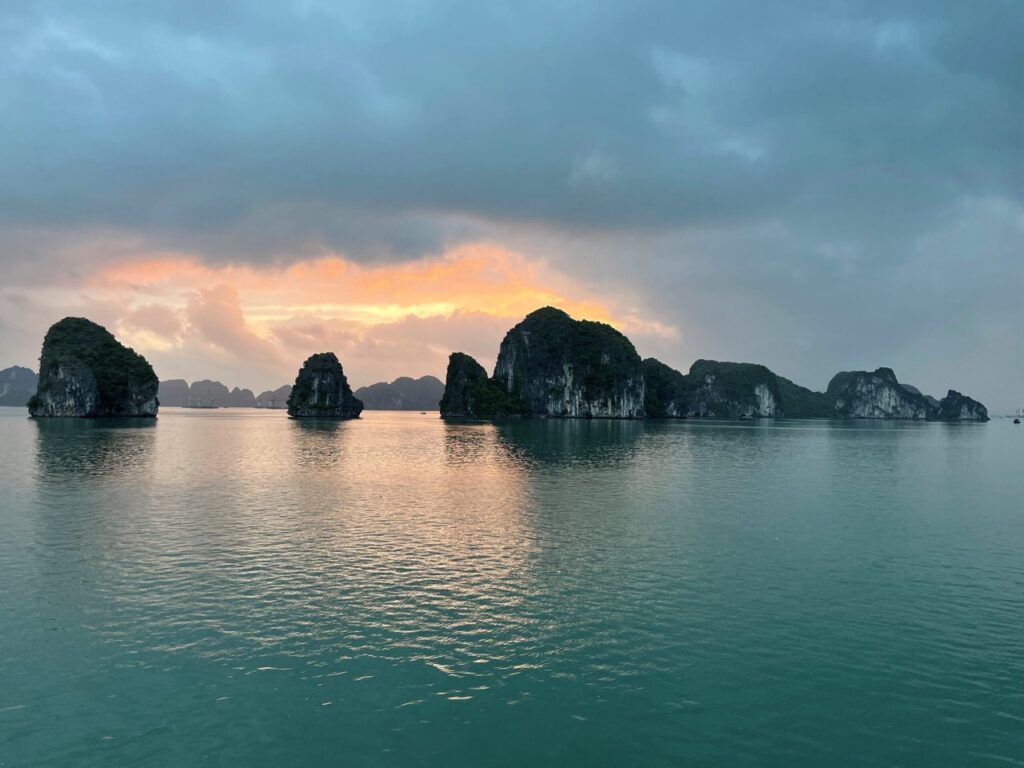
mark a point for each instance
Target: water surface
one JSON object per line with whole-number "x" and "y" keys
{"x": 235, "y": 588}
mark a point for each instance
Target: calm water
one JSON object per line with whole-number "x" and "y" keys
{"x": 232, "y": 588}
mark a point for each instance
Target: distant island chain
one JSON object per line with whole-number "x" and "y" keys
{"x": 549, "y": 366}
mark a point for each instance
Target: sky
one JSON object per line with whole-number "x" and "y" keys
{"x": 229, "y": 187}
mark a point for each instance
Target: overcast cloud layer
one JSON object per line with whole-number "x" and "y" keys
{"x": 812, "y": 185}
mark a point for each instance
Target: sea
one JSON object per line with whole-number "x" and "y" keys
{"x": 235, "y": 588}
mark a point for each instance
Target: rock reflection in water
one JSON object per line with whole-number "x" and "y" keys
{"x": 70, "y": 448}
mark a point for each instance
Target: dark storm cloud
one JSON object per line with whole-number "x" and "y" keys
{"x": 348, "y": 123}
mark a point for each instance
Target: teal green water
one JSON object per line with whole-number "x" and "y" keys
{"x": 232, "y": 588}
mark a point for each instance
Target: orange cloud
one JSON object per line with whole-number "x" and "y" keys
{"x": 383, "y": 320}
{"x": 477, "y": 278}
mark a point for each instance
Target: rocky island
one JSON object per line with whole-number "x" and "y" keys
{"x": 85, "y": 372}
{"x": 553, "y": 365}
{"x": 322, "y": 390}
{"x": 957, "y": 407}
{"x": 745, "y": 390}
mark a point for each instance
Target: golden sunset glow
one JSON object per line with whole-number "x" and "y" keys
{"x": 476, "y": 278}
{"x": 383, "y": 320}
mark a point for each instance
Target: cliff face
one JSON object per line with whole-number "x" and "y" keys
{"x": 557, "y": 366}
{"x": 733, "y": 390}
{"x": 875, "y": 395}
{"x": 469, "y": 393}
{"x": 957, "y": 407}
{"x": 321, "y": 389}
{"x": 84, "y": 371}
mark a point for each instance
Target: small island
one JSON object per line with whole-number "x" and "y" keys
{"x": 85, "y": 372}
{"x": 322, "y": 390}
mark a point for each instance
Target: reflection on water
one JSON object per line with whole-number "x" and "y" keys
{"x": 397, "y": 590}
{"x": 71, "y": 448}
{"x": 320, "y": 443}
{"x": 570, "y": 441}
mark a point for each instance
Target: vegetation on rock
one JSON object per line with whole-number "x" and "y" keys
{"x": 558, "y": 366}
{"x": 802, "y": 403}
{"x": 321, "y": 389}
{"x": 957, "y": 407}
{"x": 85, "y": 371}
{"x": 666, "y": 392}
{"x": 470, "y": 393}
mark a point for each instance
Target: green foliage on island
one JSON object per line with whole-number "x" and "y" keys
{"x": 665, "y": 391}
{"x": 470, "y": 393}
{"x": 736, "y": 381}
{"x": 802, "y": 403}
{"x": 600, "y": 353}
{"x": 78, "y": 343}
{"x": 322, "y": 389}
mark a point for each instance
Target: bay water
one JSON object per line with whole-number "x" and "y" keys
{"x": 234, "y": 588}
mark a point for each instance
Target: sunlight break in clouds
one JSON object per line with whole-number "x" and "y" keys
{"x": 246, "y": 322}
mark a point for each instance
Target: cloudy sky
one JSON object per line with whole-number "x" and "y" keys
{"x": 228, "y": 187}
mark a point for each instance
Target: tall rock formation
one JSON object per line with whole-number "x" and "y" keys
{"x": 84, "y": 371}
{"x": 957, "y": 407}
{"x": 470, "y": 394}
{"x": 733, "y": 390}
{"x": 712, "y": 389}
{"x": 321, "y": 389}
{"x": 557, "y": 366}
{"x": 875, "y": 395}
